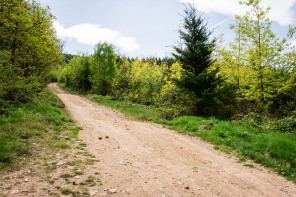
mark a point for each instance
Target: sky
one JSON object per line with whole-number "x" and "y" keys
{"x": 145, "y": 28}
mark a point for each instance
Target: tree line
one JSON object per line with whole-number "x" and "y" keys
{"x": 253, "y": 73}
{"x": 252, "y": 76}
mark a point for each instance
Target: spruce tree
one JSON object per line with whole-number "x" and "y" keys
{"x": 195, "y": 55}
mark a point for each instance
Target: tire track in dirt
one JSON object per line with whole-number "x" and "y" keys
{"x": 144, "y": 159}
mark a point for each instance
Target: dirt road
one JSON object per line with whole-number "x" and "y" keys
{"x": 144, "y": 159}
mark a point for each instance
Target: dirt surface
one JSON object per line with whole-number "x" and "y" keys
{"x": 144, "y": 159}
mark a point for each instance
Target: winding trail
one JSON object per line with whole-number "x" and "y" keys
{"x": 144, "y": 159}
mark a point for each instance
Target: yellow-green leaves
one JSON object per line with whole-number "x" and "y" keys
{"x": 28, "y": 49}
{"x": 257, "y": 61}
{"x": 103, "y": 68}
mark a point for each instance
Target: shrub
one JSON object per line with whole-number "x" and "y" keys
{"x": 253, "y": 119}
{"x": 175, "y": 101}
{"x": 284, "y": 125}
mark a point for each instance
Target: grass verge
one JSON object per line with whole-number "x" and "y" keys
{"x": 139, "y": 112}
{"x": 27, "y": 125}
{"x": 274, "y": 150}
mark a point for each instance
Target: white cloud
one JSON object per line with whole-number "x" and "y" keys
{"x": 91, "y": 34}
{"x": 281, "y": 10}
{"x": 128, "y": 43}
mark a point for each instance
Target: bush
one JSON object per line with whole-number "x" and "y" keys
{"x": 253, "y": 119}
{"x": 284, "y": 125}
{"x": 174, "y": 101}
{"x": 14, "y": 88}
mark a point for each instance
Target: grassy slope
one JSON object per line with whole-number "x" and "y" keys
{"x": 26, "y": 125}
{"x": 274, "y": 150}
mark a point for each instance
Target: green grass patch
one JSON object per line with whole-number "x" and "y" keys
{"x": 91, "y": 161}
{"x": 249, "y": 165}
{"x": 191, "y": 124}
{"x": 78, "y": 173}
{"x": 69, "y": 89}
{"x": 62, "y": 144}
{"x": 64, "y": 176}
{"x": 91, "y": 181}
{"x": 32, "y": 122}
{"x": 274, "y": 150}
{"x": 137, "y": 111}
{"x": 67, "y": 192}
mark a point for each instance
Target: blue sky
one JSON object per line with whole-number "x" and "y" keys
{"x": 141, "y": 28}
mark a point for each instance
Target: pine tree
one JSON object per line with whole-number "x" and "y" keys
{"x": 195, "y": 55}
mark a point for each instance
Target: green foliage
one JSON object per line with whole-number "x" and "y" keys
{"x": 122, "y": 78}
{"x": 90, "y": 73}
{"x": 257, "y": 68}
{"x": 103, "y": 68}
{"x": 28, "y": 50}
{"x": 76, "y": 74}
{"x": 67, "y": 57}
{"x": 15, "y": 88}
{"x": 259, "y": 64}
{"x": 139, "y": 81}
{"x": 253, "y": 119}
{"x": 284, "y": 125}
{"x": 145, "y": 81}
{"x": 195, "y": 56}
{"x": 175, "y": 101}
{"x": 26, "y": 33}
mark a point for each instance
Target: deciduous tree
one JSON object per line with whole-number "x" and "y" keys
{"x": 103, "y": 68}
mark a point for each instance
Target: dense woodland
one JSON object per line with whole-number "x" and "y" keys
{"x": 252, "y": 78}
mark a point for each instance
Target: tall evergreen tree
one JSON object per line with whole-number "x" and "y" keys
{"x": 195, "y": 55}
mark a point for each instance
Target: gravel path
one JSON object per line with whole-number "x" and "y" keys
{"x": 144, "y": 159}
